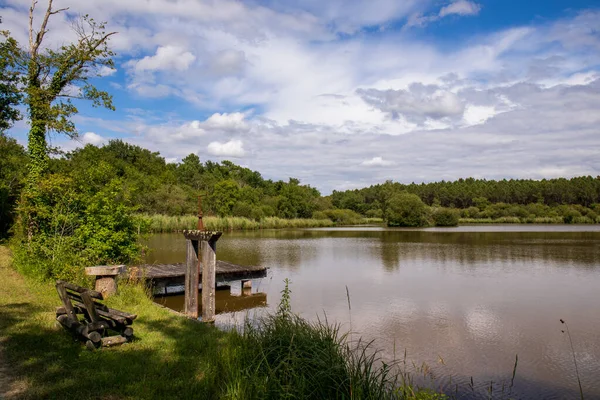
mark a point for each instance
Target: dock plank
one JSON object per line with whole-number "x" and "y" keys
{"x": 173, "y": 272}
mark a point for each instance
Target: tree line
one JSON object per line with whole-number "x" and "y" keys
{"x": 525, "y": 199}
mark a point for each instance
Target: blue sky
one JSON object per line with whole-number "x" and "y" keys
{"x": 344, "y": 94}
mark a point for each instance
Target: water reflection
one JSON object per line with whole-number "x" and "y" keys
{"x": 471, "y": 296}
{"x": 225, "y": 301}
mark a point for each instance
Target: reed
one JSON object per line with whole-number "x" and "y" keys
{"x": 562, "y": 321}
{"x": 159, "y": 223}
{"x": 515, "y": 220}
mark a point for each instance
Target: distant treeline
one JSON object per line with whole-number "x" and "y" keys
{"x": 153, "y": 186}
{"x": 561, "y": 199}
{"x": 465, "y": 193}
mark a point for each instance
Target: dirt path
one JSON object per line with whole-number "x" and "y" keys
{"x": 9, "y": 387}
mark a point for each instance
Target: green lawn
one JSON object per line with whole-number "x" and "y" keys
{"x": 172, "y": 357}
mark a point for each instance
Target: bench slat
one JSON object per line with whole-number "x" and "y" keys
{"x": 79, "y": 289}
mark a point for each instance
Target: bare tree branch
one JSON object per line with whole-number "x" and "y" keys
{"x": 59, "y": 10}
{"x": 42, "y": 31}
{"x": 33, "y": 3}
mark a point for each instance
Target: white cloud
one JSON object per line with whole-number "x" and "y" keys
{"x": 166, "y": 58}
{"x": 91, "y": 138}
{"x": 106, "y": 71}
{"x": 232, "y": 148}
{"x": 377, "y": 162}
{"x": 457, "y": 7}
{"x": 416, "y": 104}
{"x": 460, "y": 7}
{"x": 518, "y": 102}
{"x": 226, "y": 120}
{"x": 227, "y": 62}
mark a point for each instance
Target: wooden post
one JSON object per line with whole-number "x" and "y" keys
{"x": 201, "y": 245}
{"x": 209, "y": 264}
{"x": 106, "y": 278}
{"x": 191, "y": 279}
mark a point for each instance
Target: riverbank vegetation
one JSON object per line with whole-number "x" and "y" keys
{"x": 281, "y": 356}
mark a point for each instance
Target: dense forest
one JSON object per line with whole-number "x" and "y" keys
{"x": 152, "y": 186}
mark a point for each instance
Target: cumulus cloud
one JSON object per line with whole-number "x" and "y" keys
{"x": 416, "y": 104}
{"x": 92, "y": 138}
{"x": 460, "y": 7}
{"x": 106, "y": 71}
{"x": 227, "y": 120}
{"x": 377, "y": 162}
{"x": 166, "y": 58}
{"x": 232, "y": 148}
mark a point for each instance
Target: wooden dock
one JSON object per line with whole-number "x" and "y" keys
{"x": 162, "y": 275}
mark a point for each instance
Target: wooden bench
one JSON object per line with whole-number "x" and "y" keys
{"x": 83, "y": 314}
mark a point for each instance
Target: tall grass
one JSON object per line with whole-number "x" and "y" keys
{"x": 158, "y": 223}
{"x": 285, "y": 356}
{"x": 512, "y": 220}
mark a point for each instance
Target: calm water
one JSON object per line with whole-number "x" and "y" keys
{"x": 463, "y": 300}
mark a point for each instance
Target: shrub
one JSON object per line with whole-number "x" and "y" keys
{"x": 445, "y": 217}
{"x": 319, "y": 215}
{"x": 76, "y": 226}
{"x": 406, "y": 209}
{"x": 242, "y": 209}
{"x": 377, "y": 213}
{"x": 343, "y": 217}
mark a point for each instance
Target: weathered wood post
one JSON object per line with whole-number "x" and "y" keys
{"x": 201, "y": 253}
{"x": 106, "y": 277}
{"x": 192, "y": 278}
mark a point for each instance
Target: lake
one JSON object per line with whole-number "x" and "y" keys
{"x": 464, "y": 301}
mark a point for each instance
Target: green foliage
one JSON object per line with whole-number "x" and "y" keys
{"x": 13, "y": 160}
{"x": 285, "y": 308}
{"x": 445, "y": 217}
{"x": 42, "y": 79}
{"x": 242, "y": 209}
{"x": 406, "y": 209}
{"x": 480, "y": 193}
{"x": 344, "y": 216}
{"x": 10, "y": 96}
{"x": 224, "y": 197}
{"x": 76, "y": 226}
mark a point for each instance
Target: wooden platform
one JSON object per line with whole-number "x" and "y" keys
{"x": 174, "y": 274}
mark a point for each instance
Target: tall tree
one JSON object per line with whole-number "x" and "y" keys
{"x": 53, "y": 77}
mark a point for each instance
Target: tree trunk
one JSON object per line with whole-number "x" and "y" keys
{"x": 38, "y": 152}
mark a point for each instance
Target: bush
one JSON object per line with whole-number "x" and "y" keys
{"x": 319, "y": 215}
{"x": 242, "y": 209}
{"x": 445, "y": 217}
{"x": 406, "y": 209}
{"x": 76, "y": 227}
{"x": 377, "y": 213}
{"x": 343, "y": 217}
{"x": 471, "y": 212}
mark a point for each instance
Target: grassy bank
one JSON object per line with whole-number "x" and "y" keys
{"x": 283, "y": 356}
{"x": 166, "y": 223}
